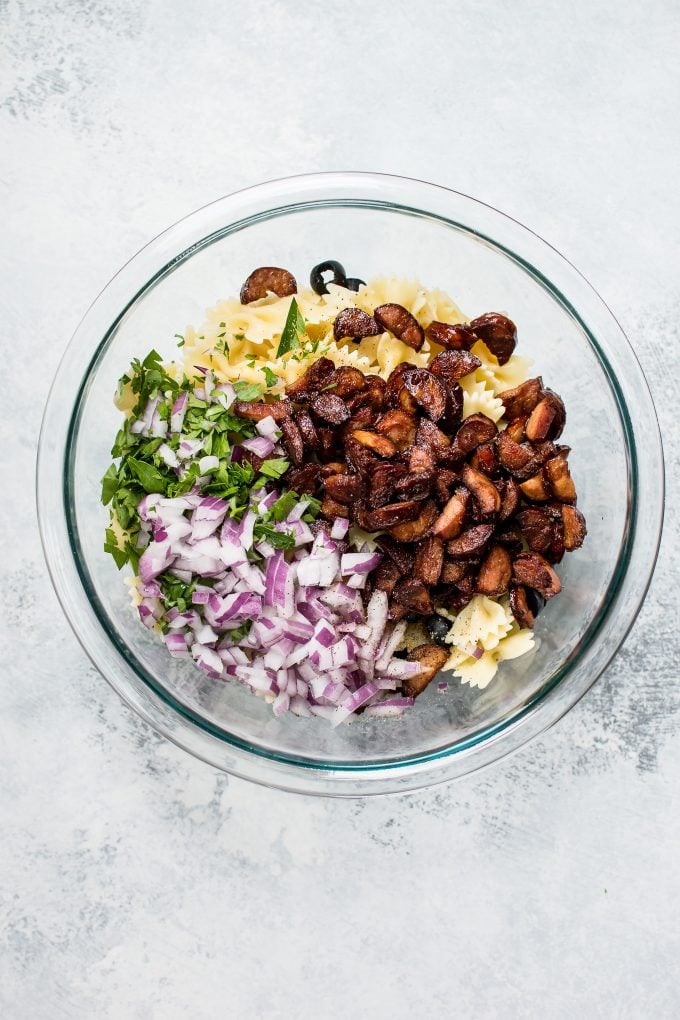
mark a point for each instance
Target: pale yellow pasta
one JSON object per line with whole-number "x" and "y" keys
{"x": 477, "y": 672}
{"x": 483, "y": 622}
{"x": 501, "y": 377}
{"x": 426, "y": 305}
{"x": 237, "y": 342}
{"x": 479, "y": 398}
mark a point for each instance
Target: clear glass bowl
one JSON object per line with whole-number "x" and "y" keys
{"x": 373, "y": 224}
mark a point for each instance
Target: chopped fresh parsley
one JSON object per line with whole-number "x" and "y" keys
{"x": 275, "y": 467}
{"x": 247, "y": 391}
{"x": 270, "y": 378}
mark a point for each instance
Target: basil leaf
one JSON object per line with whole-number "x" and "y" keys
{"x": 295, "y": 325}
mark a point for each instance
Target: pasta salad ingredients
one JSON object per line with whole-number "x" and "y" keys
{"x": 334, "y": 475}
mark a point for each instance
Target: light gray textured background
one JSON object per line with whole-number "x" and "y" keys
{"x": 138, "y": 883}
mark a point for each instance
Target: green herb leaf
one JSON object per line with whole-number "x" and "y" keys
{"x": 294, "y": 327}
{"x": 109, "y": 484}
{"x": 284, "y": 505}
{"x": 111, "y": 546}
{"x": 270, "y": 378}
{"x": 148, "y": 476}
{"x": 247, "y": 391}
{"x": 275, "y": 467}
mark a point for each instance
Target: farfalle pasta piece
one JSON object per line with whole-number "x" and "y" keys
{"x": 482, "y": 623}
{"x": 477, "y": 672}
{"x": 425, "y": 304}
{"x": 478, "y": 398}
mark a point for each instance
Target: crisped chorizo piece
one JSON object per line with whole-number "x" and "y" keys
{"x": 405, "y": 401}
{"x": 333, "y": 467}
{"x": 399, "y": 321}
{"x": 358, "y": 456}
{"x": 450, "y": 366}
{"x": 355, "y": 323}
{"x": 265, "y": 280}
{"x": 574, "y": 524}
{"x": 382, "y": 480}
{"x": 256, "y": 410}
{"x": 415, "y": 485}
{"x": 400, "y": 554}
{"x": 523, "y": 398}
{"x": 430, "y": 437}
{"x": 292, "y": 440}
{"x": 385, "y": 576}
{"x": 429, "y": 560}
{"x": 347, "y": 381}
{"x": 454, "y": 407}
{"x": 307, "y": 429}
{"x": 420, "y": 459}
{"x": 251, "y": 458}
{"x": 498, "y": 332}
{"x": 397, "y": 611}
{"x": 510, "y": 536}
{"x": 363, "y": 418}
{"x": 560, "y": 480}
{"x": 398, "y": 426}
{"x": 330, "y": 408}
{"x": 471, "y": 543}
{"x": 374, "y": 394}
{"x": 547, "y": 419}
{"x": 450, "y": 522}
{"x": 510, "y": 497}
{"x": 495, "y": 572}
{"x": 443, "y": 484}
{"x": 519, "y": 606}
{"x": 303, "y": 479}
{"x": 331, "y": 509}
{"x": 474, "y": 431}
{"x": 513, "y": 456}
{"x": 428, "y": 392}
{"x": 327, "y": 442}
{"x": 312, "y": 381}
{"x": 556, "y": 549}
{"x": 536, "y": 488}
{"x": 516, "y": 429}
{"x": 453, "y": 338}
{"x": 418, "y": 528}
{"x": 453, "y": 572}
{"x": 395, "y": 382}
{"x": 432, "y": 658}
{"x": 537, "y": 526}
{"x": 486, "y": 495}
{"x": 343, "y": 488}
{"x": 485, "y": 459}
{"x": 381, "y": 445}
{"x": 413, "y": 594}
{"x": 533, "y": 570}
{"x": 390, "y": 514}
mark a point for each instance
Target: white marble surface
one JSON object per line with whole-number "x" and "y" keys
{"x": 138, "y": 883}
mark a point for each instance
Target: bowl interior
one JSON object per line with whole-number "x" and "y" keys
{"x": 370, "y": 239}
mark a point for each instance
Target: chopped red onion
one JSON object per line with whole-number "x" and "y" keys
{"x": 179, "y": 409}
{"x": 359, "y": 563}
{"x": 340, "y": 528}
{"x": 261, "y": 446}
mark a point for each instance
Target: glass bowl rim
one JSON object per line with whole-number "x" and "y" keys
{"x": 301, "y": 185}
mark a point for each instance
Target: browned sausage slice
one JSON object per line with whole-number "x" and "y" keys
{"x": 265, "y": 280}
